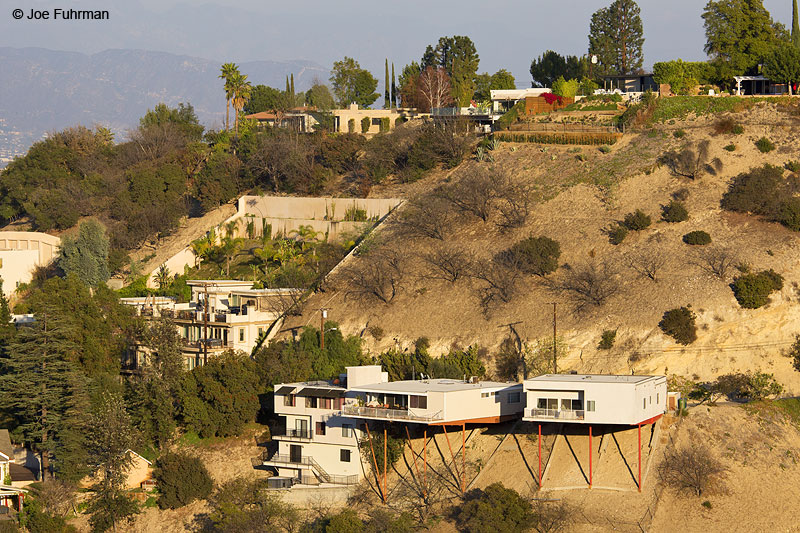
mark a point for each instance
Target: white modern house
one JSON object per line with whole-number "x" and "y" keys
{"x": 21, "y": 252}
{"x": 221, "y": 315}
{"x": 595, "y": 399}
{"x": 325, "y": 421}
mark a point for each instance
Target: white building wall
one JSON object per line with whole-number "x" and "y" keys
{"x": 16, "y": 267}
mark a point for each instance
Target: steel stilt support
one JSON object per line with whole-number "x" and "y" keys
{"x": 640, "y": 457}
{"x": 385, "y": 447}
{"x": 414, "y": 455}
{"x": 375, "y": 463}
{"x": 590, "y": 456}
{"x": 452, "y": 455}
{"x": 463, "y": 457}
{"x": 540, "y": 456}
{"x": 425, "y": 456}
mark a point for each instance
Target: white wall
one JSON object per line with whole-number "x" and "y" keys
{"x": 17, "y": 267}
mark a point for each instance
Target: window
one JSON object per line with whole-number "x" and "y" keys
{"x": 542, "y": 403}
{"x": 376, "y": 122}
{"x": 320, "y": 428}
{"x": 288, "y": 400}
{"x": 326, "y": 403}
{"x": 347, "y": 430}
{"x": 566, "y": 405}
{"x": 418, "y": 402}
{"x": 344, "y": 455}
{"x": 657, "y": 395}
{"x": 311, "y": 402}
{"x": 260, "y": 331}
{"x": 644, "y": 403}
{"x": 576, "y": 405}
{"x": 241, "y": 334}
{"x": 484, "y": 395}
{"x": 513, "y": 397}
{"x": 590, "y": 405}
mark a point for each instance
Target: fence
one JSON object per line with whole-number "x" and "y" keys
{"x": 557, "y": 414}
{"x": 569, "y": 137}
{"x": 388, "y": 414}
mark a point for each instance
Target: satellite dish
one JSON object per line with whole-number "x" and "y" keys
{"x": 594, "y": 60}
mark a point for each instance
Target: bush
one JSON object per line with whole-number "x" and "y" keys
{"x": 790, "y": 214}
{"x": 760, "y": 191}
{"x": 617, "y": 234}
{"x": 679, "y": 134}
{"x": 366, "y": 122}
{"x": 495, "y": 509}
{"x": 637, "y": 220}
{"x": 605, "y": 149}
{"x": 752, "y": 290}
{"x": 680, "y": 325}
{"x": 385, "y": 124}
{"x": 697, "y": 238}
{"x": 693, "y": 469}
{"x": 607, "y": 339}
{"x": 764, "y": 145}
{"x": 737, "y": 129}
{"x": 400, "y": 120}
{"x": 181, "y": 480}
{"x": 731, "y": 147}
{"x": 792, "y": 166}
{"x": 394, "y": 449}
{"x": 565, "y": 88}
{"x": 674, "y": 211}
{"x": 727, "y": 125}
{"x": 534, "y": 255}
{"x": 351, "y": 125}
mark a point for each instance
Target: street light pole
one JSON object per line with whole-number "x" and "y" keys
{"x": 323, "y": 316}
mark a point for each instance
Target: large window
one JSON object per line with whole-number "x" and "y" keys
{"x": 326, "y": 403}
{"x": 344, "y": 455}
{"x": 418, "y": 402}
{"x": 513, "y": 397}
{"x": 547, "y": 403}
{"x": 311, "y": 402}
{"x": 288, "y": 400}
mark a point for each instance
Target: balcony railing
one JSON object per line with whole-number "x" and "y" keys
{"x": 213, "y": 344}
{"x": 557, "y": 414}
{"x": 167, "y": 313}
{"x": 287, "y": 460}
{"x": 185, "y": 314}
{"x": 389, "y": 414}
{"x": 296, "y": 434}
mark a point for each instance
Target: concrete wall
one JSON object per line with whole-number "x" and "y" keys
{"x": 343, "y": 116}
{"x": 469, "y": 404}
{"x": 21, "y": 252}
{"x": 17, "y": 266}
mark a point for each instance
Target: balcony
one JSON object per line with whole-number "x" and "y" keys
{"x": 212, "y": 344}
{"x": 186, "y": 314}
{"x": 556, "y": 414}
{"x": 295, "y": 434}
{"x": 382, "y": 413}
{"x": 168, "y": 313}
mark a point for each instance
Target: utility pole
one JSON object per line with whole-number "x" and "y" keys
{"x": 555, "y": 361}
{"x": 323, "y": 314}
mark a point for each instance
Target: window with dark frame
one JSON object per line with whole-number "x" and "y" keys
{"x": 344, "y": 455}
{"x": 320, "y": 428}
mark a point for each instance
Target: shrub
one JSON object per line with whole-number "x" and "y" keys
{"x": 792, "y": 166}
{"x": 385, "y": 124}
{"x": 365, "y": 124}
{"x": 607, "y": 339}
{"x": 617, "y": 234}
{"x": 697, "y": 238}
{"x": 790, "y": 214}
{"x": 637, "y": 220}
{"x": 737, "y": 129}
{"x": 760, "y": 191}
{"x": 679, "y": 134}
{"x": 674, "y": 211}
{"x": 726, "y": 125}
{"x": 534, "y": 255}
{"x": 752, "y": 290}
{"x": 731, "y": 147}
{"x": 394, "y": 449}
{"x": 764, "y": 145}
{"x": 693, "y": 469}
{"x": 589, "y": 284}
{"x": 680, "y": 325}
{"x": 400, "y": 120}
{"x": 181, "y": 480}
{"x": 605, "y": 149}
{"x": 351, "y": 125}
{"x": 495, "y": 509}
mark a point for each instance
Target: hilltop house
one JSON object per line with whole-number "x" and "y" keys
{"x": 221, "y": 315}
{"x": 299, "y": 119}
{"x": 350, "y": 119}
{"x": 21, "y": 252}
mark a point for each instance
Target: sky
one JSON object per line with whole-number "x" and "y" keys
{"x": 508, "y": 34}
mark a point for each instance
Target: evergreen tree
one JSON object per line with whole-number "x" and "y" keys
{"x": 394, "y": 89}
{"x": 34, "y": 387}
{"x": 292, "y": 97}
{"x": 386, "y": 87}
{"x": 795, "y": 26}
{"x": 616, "y": 37}
{"x": 87, "y": 255}
{"x": 459, "y": 57}
{"x": 7, "y": 329}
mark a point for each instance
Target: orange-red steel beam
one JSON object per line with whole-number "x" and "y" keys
{"x": 540, "y": 456}
{"x": 375, "y": 463}
{"x": 590, "y": 456}
{"x": 452, "y": 455}
{"x": 414, "y": 455}
{"x": 385, "y": 447}
{"x": 640, "y": 457}
{"x": 463, "y": 458}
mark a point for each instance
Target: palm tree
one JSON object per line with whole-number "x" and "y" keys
{"x": 162, "y": 277}
{"x": 240, "y": 88}
{"x": 230, "y": 249}
{"x": 231, "y": 228}
{"x": 227, "y": 72}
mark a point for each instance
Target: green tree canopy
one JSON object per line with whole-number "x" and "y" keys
{"x": 740, "y": 34}
{"x": 87, "y": 255}
{"x": 265, "y": 98}
{"x": 182, "y": 116}
{"x": 351, "y": 83}
{"x": 485, "y": 83}
{"x": 616, "y": 38}
{"x": 551, "y": 65}
{"x": 459, "y": 57}
{"x": 320, "y": 97}
{"x": 783, "y": 65}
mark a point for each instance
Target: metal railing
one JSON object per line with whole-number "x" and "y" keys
{"x": 297, "y": 434}
{"x": 557, "y": 414}
{"x": 287, "y": 459}
{"x": 185, "y": 314}
{"x": 389, "y": 414}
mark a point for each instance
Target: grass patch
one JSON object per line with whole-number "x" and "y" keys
{"x": 787, "y": 408}
{"x": 191, "y": 438}
{"x": 731, "y": 147}
{"x": 680, "y": 107}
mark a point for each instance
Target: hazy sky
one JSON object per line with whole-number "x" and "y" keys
{"x": 508, "y": 34}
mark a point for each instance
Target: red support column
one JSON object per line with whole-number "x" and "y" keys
{"x": 385, "y": 446}
{"x": 463, "y": 457}
{"x": 540, "y": 456}
{"x": 425, "y": 456}
{"x": 640, "y": 457}
{"x": 590, "y": 456}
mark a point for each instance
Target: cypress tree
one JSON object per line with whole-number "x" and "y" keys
{"x": 287, "y": 85}
{"x": 291, "y": 88}
{"x": 394, "y": 89}
{"x": 795, "y": 26}
{"x": 386, "y": 85}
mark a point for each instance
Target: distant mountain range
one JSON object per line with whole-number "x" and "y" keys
{"x": 46, "y": 90}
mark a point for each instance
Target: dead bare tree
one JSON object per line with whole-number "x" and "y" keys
{"x": 377, "y": 275}
{"x": 647, "y": 263}
{"x": 690, "y": 162}
{"x": 514, "y": 200}
{"x": 551, "y": 516}
{"x": 474, "y": 193}
{"x": 447, "y": 263}
{"x": 715, "y": 260}
{"x": 501, "y": 282}
{"x": 427, "y": 216}
{"x": 433, "y": 88}
{"x": 588, "y": 284}
{"x": 692, "y": 469}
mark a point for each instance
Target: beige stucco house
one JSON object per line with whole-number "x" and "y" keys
{"x": 21, "y": 252}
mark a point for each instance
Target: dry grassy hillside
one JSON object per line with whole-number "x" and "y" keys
{"x": 578, "y": 195}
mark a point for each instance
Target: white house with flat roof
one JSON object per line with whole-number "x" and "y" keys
{"x": 595, "y": 399}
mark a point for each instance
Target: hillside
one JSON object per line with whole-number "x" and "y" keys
{"x": 575, "y": 202}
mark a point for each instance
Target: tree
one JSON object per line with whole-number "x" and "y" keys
{"x": 409, "y": 78}
{"x": 87, "y": 255}
{"x": 693, "y": 469}
{"x": 386, "y": 86}
{"x": 34, "y": 386}
{"x": 320, "y": 97}
{"x": 495, "y": 509}
{"x": 616, "y": 37}
{"x": 459, "y": 57}
{"x": 394, "y": 89}
{"x": 181, "y": 480}
{"x": 434, "y": 89}
{"x": 265, "y": 98}
{"x": 484, "y": 84}
{"x": 783, "y": 65}
{"x": 227, "y": 72}
{"x": 352, "y": 84}
{"x": 551, "y": 65}
{"x": 182, "y": 117}
{"x": 740, "y": 34}
{"x": 240, "y": 88}
{"x": 245, "y": 505}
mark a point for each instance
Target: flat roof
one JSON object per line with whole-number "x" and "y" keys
{"x": 430, "y": 385}
{"x": 224, "y": 282}
{"x": 591, "y": 378}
